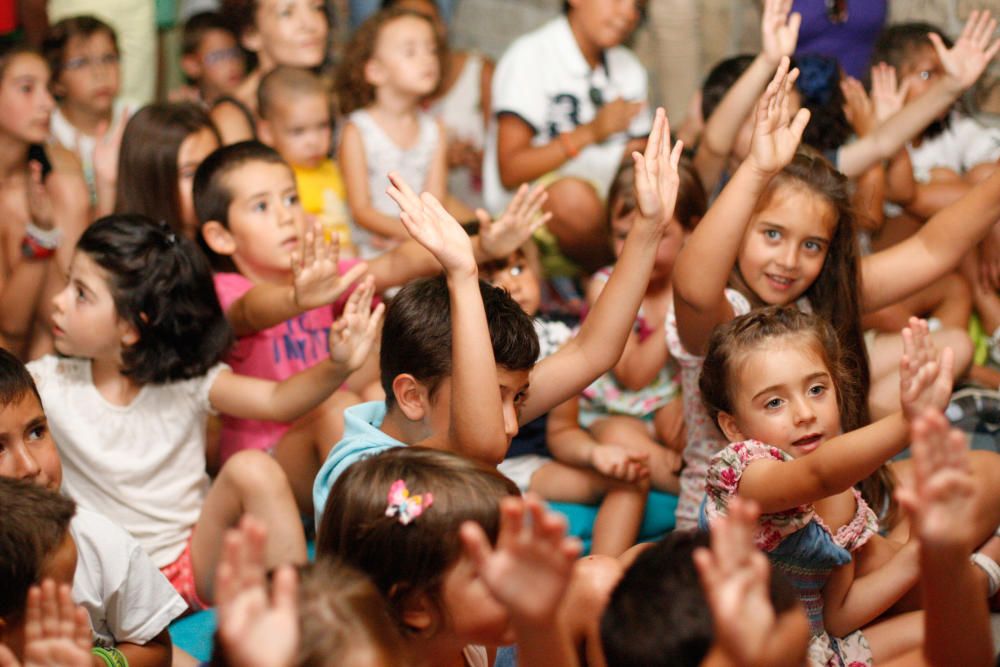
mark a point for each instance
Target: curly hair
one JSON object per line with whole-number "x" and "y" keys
{"x": 162, "y": 285}
{"x": 350, "y": 83}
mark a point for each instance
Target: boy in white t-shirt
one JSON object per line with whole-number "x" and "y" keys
{"x": 567, "y": 101}
{"x": 129, "y": 601}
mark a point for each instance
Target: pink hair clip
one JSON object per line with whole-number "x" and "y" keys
{"x": 405, "y": 506}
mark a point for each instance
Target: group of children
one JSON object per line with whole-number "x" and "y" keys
{"x": 250, "y": 318}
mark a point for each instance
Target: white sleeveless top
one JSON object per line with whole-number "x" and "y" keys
{"x": 383, "y": 155}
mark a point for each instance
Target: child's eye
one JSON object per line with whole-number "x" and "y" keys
{"x": 817, "y": 390}
{"x": 259, "y": 207}
{"x": 772, "y": 234}
{"x": 516, "y": 270}
{"x": 813, "y": 246}
{"x": 773, "y": 404}
{"x": 80, "y": 295}
{"x": 292, "y": 200}
{"x": 37, "y": 432}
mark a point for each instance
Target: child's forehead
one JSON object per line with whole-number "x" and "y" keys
{"x": 259, "y": 176}
{"x": 99, "y": 39}
{"x": 405, "y": 28}
{"x": 19, "y": 410}
{"x": 918, "y": 57}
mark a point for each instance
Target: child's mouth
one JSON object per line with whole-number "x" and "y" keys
{"x": 779, "y": 282}
{"x": 809, "y": 442}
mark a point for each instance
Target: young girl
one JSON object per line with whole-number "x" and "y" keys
{"x": 782, "y": 232}
{"x": 639, "y": 399}
{"x": 391, "y": 65}
{"x": 43, "y": 202}
{"x": 161, "y": 149}
{"x": 774, "y": 381}
{"x": 420, "y": 522}
{"x": 143, "y": 334}
{"x": 277, "y": 32}
{"x": 82, "y": 52}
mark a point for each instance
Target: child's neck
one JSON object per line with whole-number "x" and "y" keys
{"x": 116, "y": 388}
{"x": 438, "y": 652}
{"x": 397, "y": 425}
{"x": 13, "y": 158}
{"x": 392, "y": 107}
{"x": 591, "y": 52}
{"x": 87, "y": 121}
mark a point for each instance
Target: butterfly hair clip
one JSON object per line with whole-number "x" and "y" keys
{"x": 403, "y": 505}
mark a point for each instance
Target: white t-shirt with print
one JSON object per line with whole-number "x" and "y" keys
{"x": 544, "y": 80}
{"x": 141, "y": 465}
{"x": 127, "y": 597}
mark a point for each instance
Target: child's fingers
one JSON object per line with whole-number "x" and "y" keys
{"x": 285, "y": 589}
{"x": 66, "y": 613}
{"x": 33, "y": 615}
{"x": 82, "y": 635}
{"x": 354, "y": 274}
{"x": 309, "y": 241}
{"x": 475, "y": 543}
{"x": 655, "y": 137}
{"x": 708, "y": 571}
{"x": 375, "y": 320}
{"x": 939, "y": 47}
{"x": 431, "y": 202}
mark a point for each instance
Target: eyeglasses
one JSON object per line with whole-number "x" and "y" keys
{"x": 836, "y": 11}
{"x": 107, "y": 60}
{"x": 222, "y": 55}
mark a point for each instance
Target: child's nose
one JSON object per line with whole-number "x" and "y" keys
{"x": 25, "y": 465}
{"x": 803, "y": 412}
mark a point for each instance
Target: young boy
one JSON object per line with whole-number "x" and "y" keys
{"x": 82, "y": 52}
{"x": 456, "y": 355}
{"x": 211, "y": 60}
{"x": 129, "y": 602}
{"x": 295, "y": 120}
{"x": 567, "y": 99}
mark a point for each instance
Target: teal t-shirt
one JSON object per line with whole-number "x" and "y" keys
{"x": 362, "y": 438}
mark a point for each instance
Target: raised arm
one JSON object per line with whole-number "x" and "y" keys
{"x": 704, "y": 263}
{"x": 963, "y": 63}
{"x": 601, "y": 339}
{"x": 351, "y": 339}
{"x": 843, "y": 461}
{"x": 779, "y": 32}
{"x": 476, "y": 421}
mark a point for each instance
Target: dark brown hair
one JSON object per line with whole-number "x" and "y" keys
{"x": 59, "y": 35}
{"x": 35, "y": 521}
{"x": 691, "y": 199}
{"x": 199, "y": 25}
{"x": 340, "y": 613}
{"x": 147, "y": 161}
{"x": 405, "y": 561}
{"x": 730, "y": 343}
{"x": 15, "y": 380}
{"x": 351, "y": 84}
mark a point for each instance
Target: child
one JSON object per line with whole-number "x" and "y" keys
{"x": 82, "y": 52}
{"x": 638, "y": 400}
{"x": 48, "y": 630}
{"x": 332, "y": 616}
{"x": 211, "y": 60}
{"x": 44, "y": 201}
{"x": 455, "y": 374}
{"x": 792, "y": 240}
{"x": 280, "y": 283}
{"x": 567, "y": 100}
{"x": 143, "y": 334}
{"x": 391, "y": 65}
{"x": 161, "y": 149}
{"x": 454, "y": 596}
{"x": 551, "y": 455}
{"x": 128, "y": 600}
{"x": 275, "y": 32}
{"x": 773, "y": 380}
{"x": 659, "y": 615}
{"x": 133, "y": 600}
{"x": 295, "y": 120}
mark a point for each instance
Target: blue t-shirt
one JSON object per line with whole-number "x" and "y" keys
{"x": 362, "y": 438}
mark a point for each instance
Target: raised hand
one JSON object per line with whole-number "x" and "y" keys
{"x": 887, "y": 95}
{"x": 255, "y": 629}
{"x": 614, "y": 117}
{"x": 353, "y": 335}
{"x": 529, "y": 569}
{"x": 776, "y": 133}
{"x": 656, "y": 177}
{"x": 857, "y": 106}
{"x": 779, "y": 30}
{"x": 56, "y": 631}
{"x": 972, "y": 52}
{"x": 941, "y": 495}
{"x": 501, "y": 237}
{"x": 735, "y": 576}
{"x": 619, "y": 463}
{"x": 39, "y": 200}
{"x": 316, "y": 279}
{"x": 433, "y": 227}
{"x": 925, "y": 377}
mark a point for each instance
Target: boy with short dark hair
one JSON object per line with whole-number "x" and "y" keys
{"x": 211, "y": 59}
{"x": 130, "y": 603}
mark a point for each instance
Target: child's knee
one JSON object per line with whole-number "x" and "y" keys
{"x": 574, "y": 202}
{"x": 254, "y": 472}
{"x": 961, "y": 345}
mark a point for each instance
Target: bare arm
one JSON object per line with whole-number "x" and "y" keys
{"x": 354, "y": 168}
{"x": 572, "y": 445}
{"x": 157, "y": 652}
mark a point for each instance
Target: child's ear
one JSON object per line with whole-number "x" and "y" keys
{"x": 411, "y": 396}
{"x": 128, "y": 333}
{"x": 374, "y": 72}
{"x": 191, "y": 66}
{"x": 417, "y": 613}
{"x": 251, "y": 40}
{"x": 729, "y": 428}
{"x": 218, "y": 238}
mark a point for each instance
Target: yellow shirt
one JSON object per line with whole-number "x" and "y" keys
{"x": 313, "y": 182}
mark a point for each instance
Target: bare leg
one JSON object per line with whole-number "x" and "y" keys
{"x": 631, "y": 433}
{"x": 594, "y": 577}
{"x": 250, "y": 482}
{"x": 620, "y": 515}
{"x": 578, "y": 222}
{"x": 895, "y": 636}
{"x": 669, "y": 423}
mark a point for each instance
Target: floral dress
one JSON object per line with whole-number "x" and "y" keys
{"x": 799, "y": 544}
